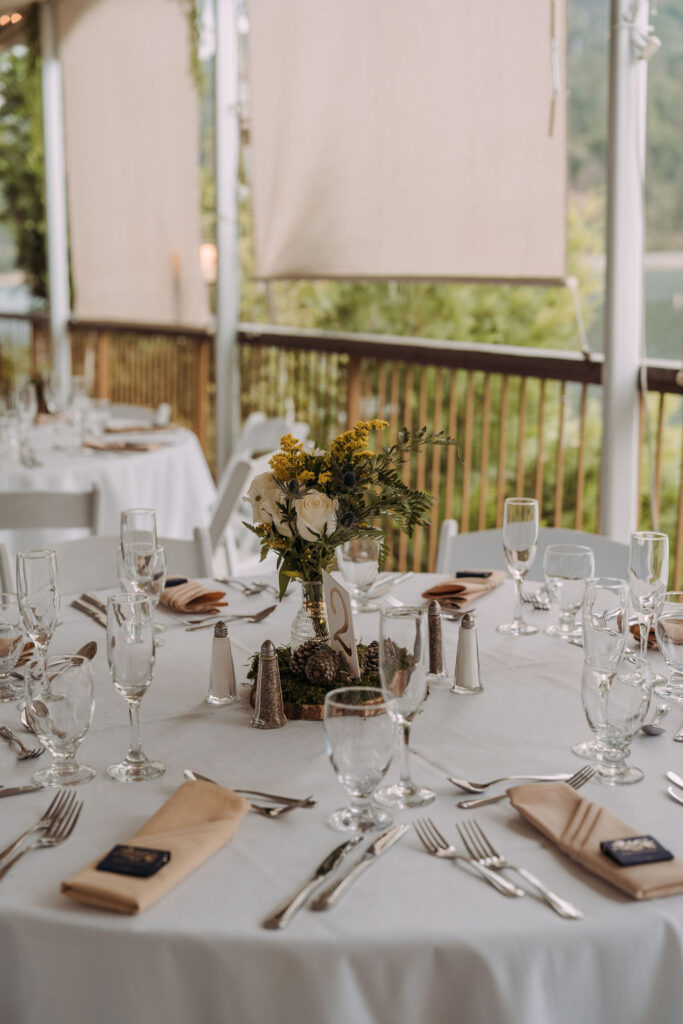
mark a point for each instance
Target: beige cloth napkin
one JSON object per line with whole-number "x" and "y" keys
{"x": 460, "y": 593}
{"x": 192, "y": 597}
{"x": 122, "y": 446}
{"x": 192, "y": 825}
{"x": 140, "y": 428}
{"x": 578, "y": 826}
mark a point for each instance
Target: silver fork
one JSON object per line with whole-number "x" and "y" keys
{"x": 479, "y": 846}
{"x": 436, "y": 844}
{"x": 59, "y": 829}
{"x": 538, "y": 600}
{"x": 61, "y": 802}
{"x": 24, "y": 752}
{"x": 577, "y": 780}
{"x": 251, "y": 588}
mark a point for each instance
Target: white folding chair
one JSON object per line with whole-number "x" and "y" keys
{"x": 261, "y": 434}
{"x": 483, "y": 549}
{"x": 89, "y": 563}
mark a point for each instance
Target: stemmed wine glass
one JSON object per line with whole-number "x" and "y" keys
{"x": 12, "y": 634}
{"x": 615, "y": 704}
{"x": 669, "y": 630}
{"x": 605, "y": 631}
{"x": 59, "y": 706}
{"x": 38, "y": 595}
{"x": 566, "y": 567}
{"x": 403, "y": 668}
{"x": 360, "y": 740}
{"x": 130, "y": 651}
{"x": 358, "y": 561}
{"x": 520, "y": 536}
{"x": 138, "y": 540}
{"x": 147, "y": 576}
{"x": 648, "y": 577}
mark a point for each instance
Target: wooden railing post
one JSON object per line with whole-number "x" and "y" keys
{"x": 202, "y": 377}
{"x": 352, "y": 391}
{"x": 103, "y": 371}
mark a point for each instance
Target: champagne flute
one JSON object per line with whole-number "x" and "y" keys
{"x": 566, "y": 567}
{"x": 130, "y": 651}
{"x": 12, "y": 635}
{"x": 150, "y": 580}
{"x": 403, "y": 667}
{"x": 59, "y": 706}
{"x": 38, "y": 595}
{"x": 360, "y": 739}
{"x": 358, "y": 561}
{"x": 615, "y": 704}
{"x": 138, "y": 539}
{"x": 520, "y": 536}
{"x": 669, "y": 629}
{"x": 648, "y": 577}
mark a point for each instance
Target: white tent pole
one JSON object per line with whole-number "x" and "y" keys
{"x": 624, "y": 281}
{"x": 55, "y": 197}
{"x": 227, "y": 282}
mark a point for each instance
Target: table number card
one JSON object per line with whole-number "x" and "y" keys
{"x": 340, "y": 621}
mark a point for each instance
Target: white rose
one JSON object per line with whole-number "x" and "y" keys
{"x": 264, "y": 495}
{"x": 314, "y": 512}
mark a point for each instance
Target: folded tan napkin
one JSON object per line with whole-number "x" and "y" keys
{"x": 121, "y": 446}
{"x": 192, "y": 825}
{"x": 140, "y": 428}
{"x": 460, "y": 593}
{"x": 190, "y": 596}
{"x": 578, "y": 826}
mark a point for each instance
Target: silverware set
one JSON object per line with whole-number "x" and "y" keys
{"x": 275, "y": 805}
{"x": 538, "y": 599}
{"x": 55, "y": 826}
{"x": 578, "y": 779}
{"x": 23, "y": 752}
{"x": 211, "y": 620}
{"x": 250, "y": 588}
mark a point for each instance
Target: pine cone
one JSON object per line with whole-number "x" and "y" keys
{"x": 299, "y": 657}
{"x": 370, "y": 663}
{"x": 322, "y": 667}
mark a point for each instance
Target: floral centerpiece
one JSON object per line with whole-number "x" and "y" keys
{"x": 313, "y": 500}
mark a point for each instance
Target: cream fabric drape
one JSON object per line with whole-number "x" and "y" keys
{"x": 395, "y": 138}
{"x": 132, "y": 155}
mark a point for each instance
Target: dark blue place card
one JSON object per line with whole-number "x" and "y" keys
{"x": 635, "y": 850}
{"x": 134, "y": 860}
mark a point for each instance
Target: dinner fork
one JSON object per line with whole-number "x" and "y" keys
{"x": 479, "y": 846}
{"x": 480, "y": 787}
{"x": 256, "y": 617}
{"x": 537, "y": 599}
{"x": 59, "y": 829}
{"x": 577, "y": 780}
{"x": 251, "y": 588}
{"x": 436, "y": 844}
{"x": 61, "y": 802}
{"x": 24, "y": 752}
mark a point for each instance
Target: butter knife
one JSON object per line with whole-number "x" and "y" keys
{"x": 331, "y": 896}
{"x": 16, "y": 790}
{"x": 283, "y": 914}
{"x": 91, "y": 612}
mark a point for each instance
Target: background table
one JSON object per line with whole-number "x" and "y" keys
{"x": 416, "y": 939}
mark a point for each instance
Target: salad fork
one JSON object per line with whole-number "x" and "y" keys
{"x": 24, "y": 752}
{"x": 436, "y": 844}
{"x": 479, "y": 847}
{"x": 577, "y": 780}
{"x": 57, "y": 832}
{"x": 59, "y": 805}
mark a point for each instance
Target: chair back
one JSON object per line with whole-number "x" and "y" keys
{"x": 41, "y": 510}
{"x": 261, "y": 433}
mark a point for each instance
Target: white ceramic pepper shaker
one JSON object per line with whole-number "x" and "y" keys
{"x": 222, "y": 685}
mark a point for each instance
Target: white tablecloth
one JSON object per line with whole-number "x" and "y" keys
{"x": 175, "y": 480}
{"x": 415, "y": 940}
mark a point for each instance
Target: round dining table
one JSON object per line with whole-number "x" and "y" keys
{"x": 416, "y": 940}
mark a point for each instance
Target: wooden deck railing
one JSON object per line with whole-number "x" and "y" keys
{"x": 528, "y": 420}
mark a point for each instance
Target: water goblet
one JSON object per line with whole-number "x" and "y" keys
{"x": 403, "y": 669}
{"x": 38, "y": 595}
{"x": 648, "y": 577}
{"x": 615, "y": 705}
{"x": 59, "y": 707}
{"x": 12, "y": 636}
{"x": 669, "y": 630}
{"x": 130, "y": 652}
{"x": 360, "y": 740}
{"x": 605, "y": 631}
{"x": 358, "y": 561}
{"x": 566, "y": 567}
{"x": 520, "y": 536}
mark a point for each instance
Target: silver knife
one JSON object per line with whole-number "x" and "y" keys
{"x": 91, "y": 599}
{"x": 674, "y": 795}
{"x": 91, "y": 612}
{"x": 676, "y": 779}
{"x": 330, "y": 896}
{"x": 283, "y": 914}
{"x": 16, "y": 790}
{"x": 384, "y": 586}
{"x": 678, "y": 738}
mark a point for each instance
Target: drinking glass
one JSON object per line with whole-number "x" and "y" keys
{"x": 145, "y": 577}
{"x": 360, "y": 740}
{"x": 648, "y": 578}
{"x": 38, "y": 595}
{"x": 615, "y": 704}
{"x": 566, "y": 567}
{"x": 358, "y": 562}
{"x": 130, "y": 651}
{"x": 138, "y": 540}
{"x": 403, "y": 668}
{"x": 520, "y": 535}
{"x": 12, "y": 637}
{"x": 605, "y": 632}
{"x": 669, "y": 630}
{"x": 59, "y": 707}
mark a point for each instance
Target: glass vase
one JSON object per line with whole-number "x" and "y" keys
{"x": 310, "y": 622}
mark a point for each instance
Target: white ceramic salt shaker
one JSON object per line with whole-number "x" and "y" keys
{"x": 222, "y": 685}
